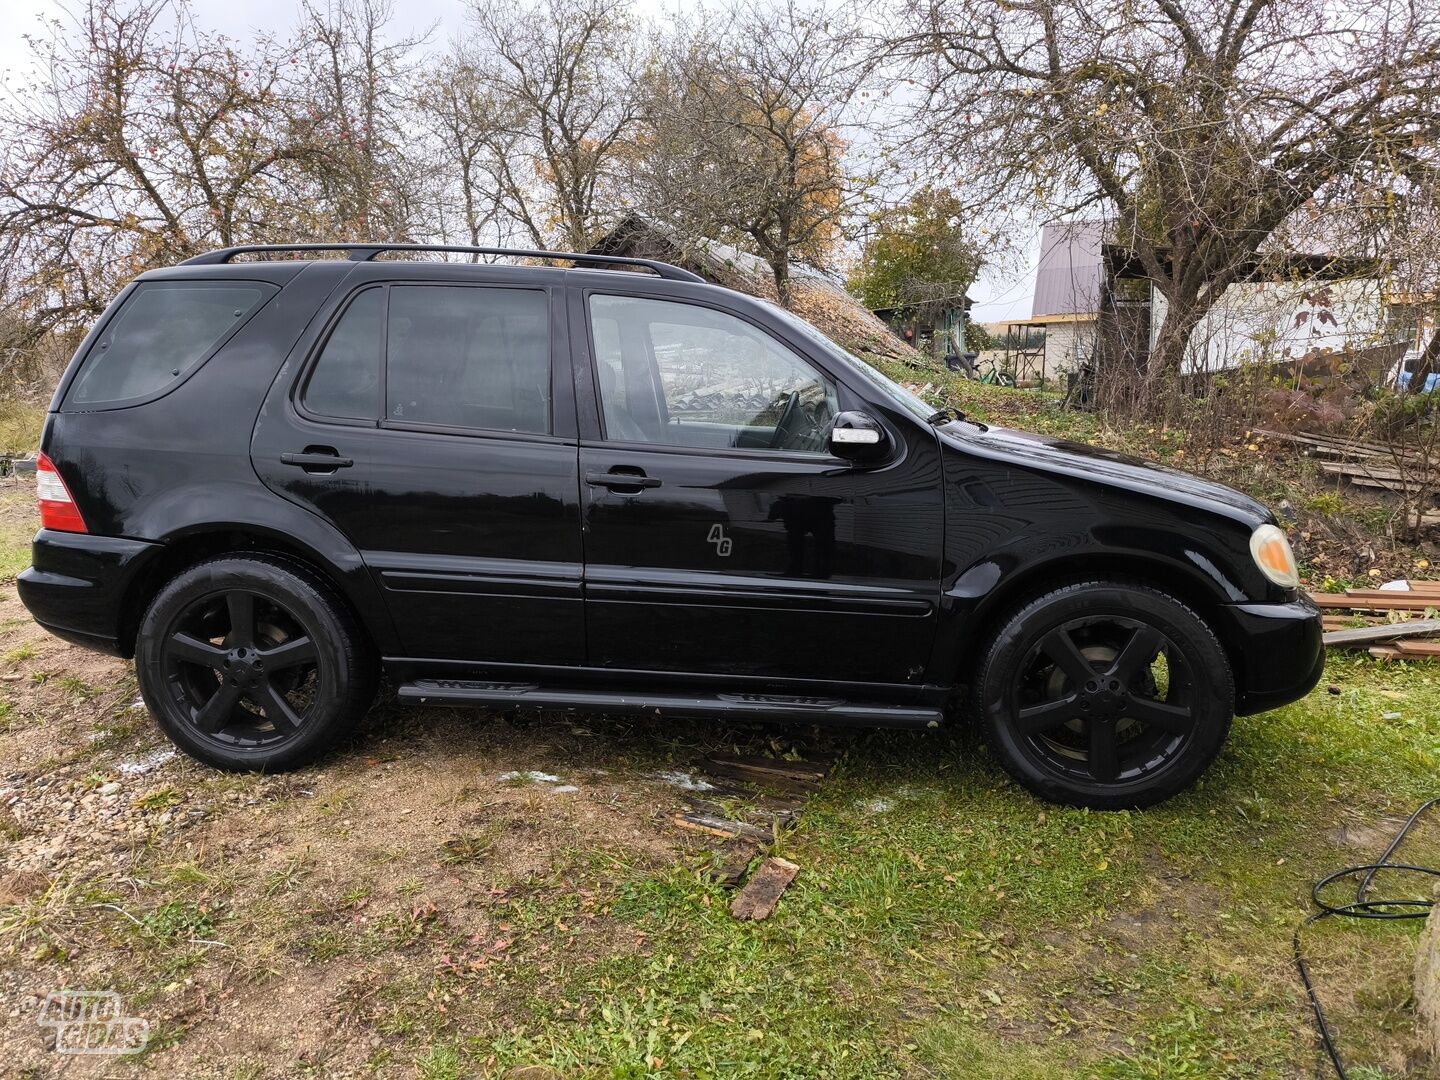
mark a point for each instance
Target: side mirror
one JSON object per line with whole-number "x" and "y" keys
{"x": 857, "y": 436}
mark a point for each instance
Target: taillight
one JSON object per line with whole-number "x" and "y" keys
{"x": 57, "y": 509}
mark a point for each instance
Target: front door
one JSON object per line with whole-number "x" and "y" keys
{"x": 423, "y": 426}
{"x": 721, "y": 536}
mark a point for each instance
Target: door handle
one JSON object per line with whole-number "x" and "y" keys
{"x": 317, "y": 459}
{"x": 619, "y": 480}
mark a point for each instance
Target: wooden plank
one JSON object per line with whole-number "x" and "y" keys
{"x": 1347, "y": 622}
{"x": 724, "y": 827}
{"x": 1382, "y": 485}
{"x": 1418, "y": 648}
{"x": 1375, "y": 471}
{"x": 1349, "y": 454}
{"x": 1338, "y": 442}
{"x": 1365, "y": 469}
{"x": 1427, "y": 985}
{"x": 764, "y": 889}
{"x": 1384, "y": 652}
{"x": 770, "y": 768}
{"x": 1341, "y": 602}
{"x": 1366, "y": 634}
{"x": 1356, "y": 452}
{"x": 1413, "y": 596}
{"x": 733, "y": 860}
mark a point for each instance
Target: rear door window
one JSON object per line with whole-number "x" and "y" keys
{"x": 346, "y": 379}
{"x": 163, "y": 330}
{"x": 467, "y": 356}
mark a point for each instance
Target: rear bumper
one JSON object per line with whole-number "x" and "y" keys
{"x": 76, "y": 585}
{"x": 1278, "y": 652}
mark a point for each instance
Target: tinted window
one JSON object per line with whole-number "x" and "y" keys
{"x": 162, "y": 331}
{"x": 346, "y": 379}
{"x": 464, "y": 356}
{"x": 690, "y": 376}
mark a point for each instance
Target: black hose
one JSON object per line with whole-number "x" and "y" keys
{"x": 1363, "y": 907}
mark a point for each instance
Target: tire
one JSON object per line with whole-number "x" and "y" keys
{"x": 252, "y": 663}
{"x": 1108, "y": 724}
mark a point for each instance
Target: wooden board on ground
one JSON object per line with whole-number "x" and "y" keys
{"x": 1427, "y": 984}
{"x": 1367, "y": 634}
{"x": 1374, "y": 471}
{"x": 724, "y": 827}
{"x": 762, "y": 892}
{"x": 1347, "y": 622}
{"x": 1383, "y": 601}
{"x": 1423, "y": 597}
{"x": 1338, "y": 443}
{"x": 764, "y": 795}
{"x": 766, "y": 769}
{"x": 1418, "y": 648}
{"x": 733, "y": 860}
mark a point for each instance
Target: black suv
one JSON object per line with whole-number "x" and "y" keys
{"x": 528, "y": 485}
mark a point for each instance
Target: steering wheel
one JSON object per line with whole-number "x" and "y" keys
{"x": 789, "y": 423}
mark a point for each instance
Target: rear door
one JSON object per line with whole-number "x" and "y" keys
{"x": 423, "y": 421}
{"x": 721, "y": 536}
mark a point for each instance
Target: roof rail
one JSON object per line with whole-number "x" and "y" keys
{"x": 360, "y": 252}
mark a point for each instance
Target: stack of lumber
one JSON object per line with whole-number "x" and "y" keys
{"x": 1367, "y": 619}
{"x": 1366, "y": 464}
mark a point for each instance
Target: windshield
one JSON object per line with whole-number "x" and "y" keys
{"x": 910, "y": 402}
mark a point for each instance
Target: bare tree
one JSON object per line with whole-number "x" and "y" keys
{"x": 1200, "y": 125}
{"x": 462, "y": 119}
{"x": 141, "y": 140}
{"x": 746, "y": 133}
{"x": 558, "y": 107}
{"x": 357, "y": 96}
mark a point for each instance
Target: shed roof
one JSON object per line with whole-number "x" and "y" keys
{"x": 1067, "y": 280}
{"x": 815, "y": 296}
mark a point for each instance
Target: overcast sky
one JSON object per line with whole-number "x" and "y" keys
{"x": 999, "y": 295}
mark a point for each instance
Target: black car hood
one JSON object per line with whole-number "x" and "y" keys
{"x": 1025, "y": 448}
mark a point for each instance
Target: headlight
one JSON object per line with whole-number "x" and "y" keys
{"x": 1272, "y": 554}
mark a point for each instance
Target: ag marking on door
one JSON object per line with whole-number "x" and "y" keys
{"x": 723, "y": 544}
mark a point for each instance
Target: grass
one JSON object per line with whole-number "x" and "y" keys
{"x": 20, "y": 424}
{"x": 970, "y": 930}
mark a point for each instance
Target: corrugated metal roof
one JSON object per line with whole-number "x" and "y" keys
{"x": 1067, "y": 281}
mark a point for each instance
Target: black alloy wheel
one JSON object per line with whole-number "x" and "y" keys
{"x": 252, "y": 662}
{"x": 243, "y": 666}
{"x": 1106, "y": 695}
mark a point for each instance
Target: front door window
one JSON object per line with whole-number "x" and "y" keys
{"x": 684, "y": 375}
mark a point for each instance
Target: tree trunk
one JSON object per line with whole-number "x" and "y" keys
{"x": 1181, "y": 318}
{"x": 780, "y": 267}
{"x": 1428, "y": 363}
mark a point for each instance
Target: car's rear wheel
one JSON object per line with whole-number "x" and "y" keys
{"x": 252, "y": 663}
{"x": 1105, "y": 694}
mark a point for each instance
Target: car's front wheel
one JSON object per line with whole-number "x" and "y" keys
{"x": 1105, "y": 694}
{"x": 251, "y": 662}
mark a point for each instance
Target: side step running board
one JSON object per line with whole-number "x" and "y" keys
{"x": 757, "y": 706}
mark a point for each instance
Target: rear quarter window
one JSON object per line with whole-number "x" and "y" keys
{"x": 163, "y": 330}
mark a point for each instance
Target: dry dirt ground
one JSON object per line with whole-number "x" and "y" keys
{"x": 416, "y": 837}
{"x": 291, "y": 919}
